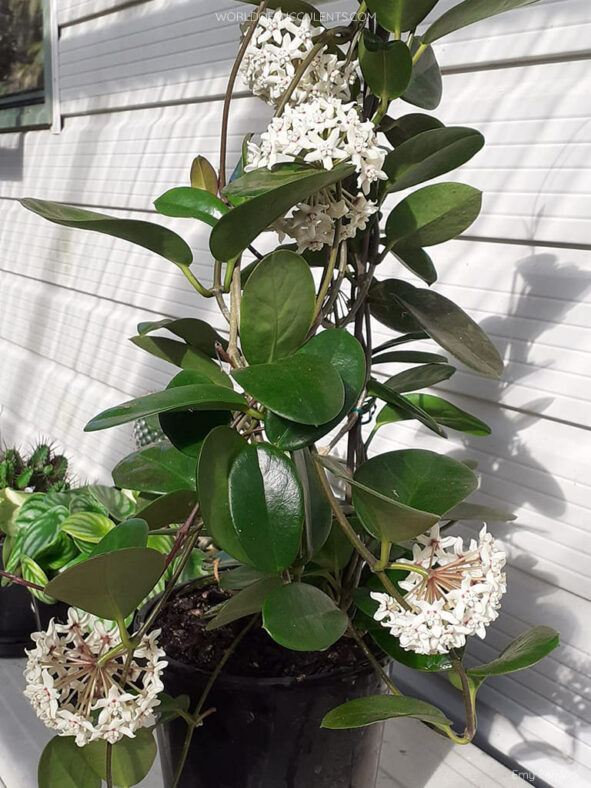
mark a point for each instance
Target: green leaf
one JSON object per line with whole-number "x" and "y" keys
{"x": 196, "y": 397}
{"x": 377, "y": 708}
{"x": 43, "y": 532}
{"x": 266, "y": 506}
{"x": 157, "y": 239}
{"x": 426, "y": 86}
{"x": 62, "y": 765}
{"x": 241, "y": 577}
{"x": 387, "y": 309}
{"x": 132, "y": 533}
{"x": 87, "y": 526}
{"x": 246, "y": 602}
{"x": 263, "y": 179}
{"x": 169, "y": 509}
{"x": 409, "y": 126}
{"x": 186, "y": 201}
{"x": 117, "y": 503}
{"x": 131, "y": 759}
{"x": 303, "y": 618}
{"x": 317, "y": 511}
{"x": 302, "y": 388}
{"x": 203, "y": 175}
{"x": 420, "y": 377}
{"x": 450, "y": 327}
{"x": 467, "y": 13}
{"x": 444, "y": 413}
{"x": 33, "y": 573}
{"x": 235, "y": 231}
{"x": 111, "y": 585}
{"x": 277, "y": 307}
{"x": 416, "y": 260}
{"x": 159, "y": 469}
{"x": 386, "y": 65}
{"x": 195, "y": 332}
{"x": 390, "y": 645}
{"x": 170, "y": 707}
{"x": 429, "y": 155}
{"x": 408, "y": 357}
{"x": 221, "y": 447}
{"x": 400, "y": 494}
{"x": 183, "y": 356}
{"x": 475, "y": 511}
{"x": 400, "y": 15}
{"x": 336, "y": 552}
{"x": 527, "y": 649}
{"x": 433, "y": 214}
{"x": 342, "y": 351}
{"x": 392, "y": 397}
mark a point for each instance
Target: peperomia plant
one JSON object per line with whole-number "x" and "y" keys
{"x": 268, "y": 459}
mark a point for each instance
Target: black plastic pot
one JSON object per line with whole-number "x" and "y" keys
{"x": 18, "y": 619}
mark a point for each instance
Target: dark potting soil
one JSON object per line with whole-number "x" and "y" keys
{"x": 184, "y": 638}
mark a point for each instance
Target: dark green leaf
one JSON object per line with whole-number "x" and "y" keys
{"x": 527, "y": 649}
{"x": 263, "y": 179}
{"x": 409, "y": 126}
{"x": 62, "y": 765}
{"x": 303, "y": 618}
{"x": 241, "y": 577}
{"x": 390, "y": 645}
{"x": 420, "y": 377}
{"x": 342, "y": 351}
{"x": 392, "y": 397}
{"x": 235, "y": 231}
{"x": 416, "y": 260}
{"x": 336, "y": 551}
{"x": 131, "y": 759}
{"x": 183, "y": 356}
{"x": 132, "y": 533}
{"x": 386, "y": 65}
{"x": 475, "y": 511}
{"x": 277, "y": 307}
{"x": 467, "y": 13}
{"x": 246, "y": 602}
{"x": 450, "y": 327}
{"x": 317, "y": 511}
{"x": 441, "y": 410}
{"x": 157, "y": 239}
{"x": 302, "y": 388}
{"x": 160, "y": 469}
{"x": 365, "y": 711}
{"x": 408, "y": 357}
{"x": 387, "y": 309}
{"x": 196, "y": 397}
{"x": 429, "y": 155}
{"x": 266, "y": 506}
{"x": 186, "y": 201}
{"x": 433, "y": 214}
{"x": 195, "y": 332}
{"x": 400, "y": 15}
{"x": 425, "y": 87}
{"x": 170, "y": 509}
{"x": 110, "y": 585}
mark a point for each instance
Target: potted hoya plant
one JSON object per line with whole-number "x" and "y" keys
{"x": 325, "y": 563}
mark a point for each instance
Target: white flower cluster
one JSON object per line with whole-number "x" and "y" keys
{"x": 77, "y": 694}
{"x": 278, "y": 47}
{"x": 458, "y": 593}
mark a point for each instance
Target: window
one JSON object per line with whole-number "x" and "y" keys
{"x": 25, "y": 64}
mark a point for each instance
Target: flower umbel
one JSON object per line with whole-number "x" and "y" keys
{"x": 459, "y": 595}
{"x": 76, "y": 694}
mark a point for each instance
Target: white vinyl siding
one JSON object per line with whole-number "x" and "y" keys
{"x": 141, "y": 86}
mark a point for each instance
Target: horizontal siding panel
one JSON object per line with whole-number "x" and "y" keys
{"x": 69, "y": 11}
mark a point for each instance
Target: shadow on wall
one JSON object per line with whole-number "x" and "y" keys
{"x": 11, "y": 156}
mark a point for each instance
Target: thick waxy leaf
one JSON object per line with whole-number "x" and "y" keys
{"x": 221, "y": 447}
{"x": 185, "y": 201}
{"x": 303, "y": 618}
{"x": 63, "y": 765}
{"x": 241, "y": 577}
{"x": 420, "y": 377}
{"x": 450, "y": 327}
{"x": 132, "y": 533}
{"x": 159, "y": 469}
{"x": 430, "y": 154}
{"x": 110, "y": 585}
{"x": 390, "y": 645}
{"x": 414, "y": 488}
{"x": 408, "y": 357}
{"x": 386, "y": 65}
{"x": 157, "y": 239}
{"x": 426, "y": 86}
{"x": 405, "y": 405}
{"x": 43, "y": 531}
{"x": 388, "y": 310}
{"x": 195, "y": 332}
{"x": 248, "y": 601}
{"x": 433, "y": 214}
{"x": 117, "y": 503}
{"x": 317, "y": 511}
{"x": 441, "y": 410}
{"x": 400, "y": 15}
{"x": 196, "y": 397}
{"x": 170, "y": 509}
{"x": 87, "y": 526}
{"x": 527, "y": 649}
{"x": 302, "y": 388}
{"x": 277, "y": 307}
{"x": 235, "y": 231}
{"x": 416, "y": 260}
{"x": 365, "y": 711}
{"x": 336, "y": 551}
{"x": 263, "y": 179}
{"x": 409, "y": 126}
{"x": 203, "y": 175}
{"x": 403, "y": 340}
{"x": 266, "y": 506}
{"x": 183, "y": 356}
{"x": 342, "y": 351}
{"x": 467, "y": 13}
{"x": 475, "y": 511}
{"x": 131, "y": 759}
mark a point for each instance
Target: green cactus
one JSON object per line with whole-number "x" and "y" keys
{"x": 42, "y": 470}
{"x": 147, "y": 431}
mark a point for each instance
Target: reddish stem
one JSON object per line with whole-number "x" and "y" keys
{"x": 19, "y": 581}
{"x": 180, "y": 537}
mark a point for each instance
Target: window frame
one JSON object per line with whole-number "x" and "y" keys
{"x": 19, "y": 115}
